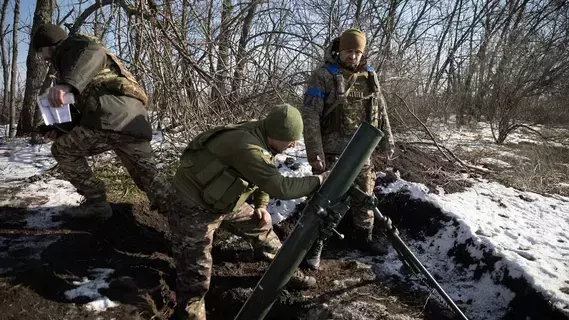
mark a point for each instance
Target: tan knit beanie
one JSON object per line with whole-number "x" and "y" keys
{"x": 352, "y": 39}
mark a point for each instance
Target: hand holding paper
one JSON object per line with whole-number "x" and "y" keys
{"x": 53, "y": 114}
{"x": 56, "y": 95}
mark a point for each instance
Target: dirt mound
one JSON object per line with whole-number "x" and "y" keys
{"x": 426, "y": 166}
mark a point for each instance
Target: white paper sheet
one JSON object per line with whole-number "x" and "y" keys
{"x": 53, "y": 115}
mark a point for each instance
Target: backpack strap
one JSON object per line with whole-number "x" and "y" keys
{"x": 339, "y": 100}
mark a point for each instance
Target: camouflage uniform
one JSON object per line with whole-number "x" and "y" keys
{"x": 218, "y": 172}
{"x": 336, "y": 101}
{"x": 112, "y": 117}
{"x": 71, "y": 149}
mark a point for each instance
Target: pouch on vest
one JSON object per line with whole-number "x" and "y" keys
{"x": 224, "y": 191}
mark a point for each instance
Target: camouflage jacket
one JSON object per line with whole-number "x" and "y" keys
{"x": 331, "y": 118}
{"x": 221, "y": 167}
{"x": 107, "y": 95}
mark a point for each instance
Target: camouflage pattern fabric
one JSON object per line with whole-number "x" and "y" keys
{"x": 136, "y": 154}
{"x": 192, "y": 229}
{"x": 331, "y": 134}
{"x": 115, "y": 77}
{"x": 363, "y": 219}
{"x": 331, "y": 118}
{"x": 106, "y": 94}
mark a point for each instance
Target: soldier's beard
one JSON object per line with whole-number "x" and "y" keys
{"x": 350, "y": 66}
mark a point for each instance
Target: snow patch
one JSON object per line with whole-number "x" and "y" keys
{"x": 528, "y": 230}
{"x": 90, "y": 288}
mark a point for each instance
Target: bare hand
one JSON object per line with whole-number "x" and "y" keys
{"x": 56, "y": 93}
{"x": 323, "y": 176}
{"x": 264, "y": 217}
{"x": 50, "y": 136}
{"x": 318, "y": 165}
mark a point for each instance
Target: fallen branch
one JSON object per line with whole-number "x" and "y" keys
{"x": 530, "y": 129}
{"x": 41, "y": 232}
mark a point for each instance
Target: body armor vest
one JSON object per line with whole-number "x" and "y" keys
{"x": 356, "y": 100}
{"x": 221, "y": 187}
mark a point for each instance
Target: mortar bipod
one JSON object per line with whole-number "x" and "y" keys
{"x": 404, "y": 253}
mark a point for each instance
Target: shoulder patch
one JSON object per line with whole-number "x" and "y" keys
{"x": 265, "y": 154}
{"x": 315, "y": 92}
{"x": 267, "y": 157}
{"x": 333, "y": 69}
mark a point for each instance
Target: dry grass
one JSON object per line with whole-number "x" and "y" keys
{"x": 120, "y": 186}
{"x": 534, "y": 167}
{"x": 544, "y": 171}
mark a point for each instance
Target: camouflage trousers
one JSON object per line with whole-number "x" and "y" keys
{"x": 362, "y": 219}
{"x": 71, "y": 150}
{"x": 192, "y": 229}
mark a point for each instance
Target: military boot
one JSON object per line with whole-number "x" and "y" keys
{"x": 312, "y": 258}
{"x": 194, "y": 310}
{"x": 363, "y": 241}
{"x": 301, "y": 281}
{"x": 90, "y": 208}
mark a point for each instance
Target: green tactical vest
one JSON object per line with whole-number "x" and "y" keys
{"x": 222, "y": 187}
{"x": 357, "y": 100}
{"x": 115, "y": 77}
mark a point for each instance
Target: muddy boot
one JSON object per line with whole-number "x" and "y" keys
{"x": 301, "y": 281}
{"x": 363, "y": 241}
{"x": 194, "y": 310}
{"x": 262, "y": 255}
{"x": 90, "y": 208}
{"x": 312, "y": 258}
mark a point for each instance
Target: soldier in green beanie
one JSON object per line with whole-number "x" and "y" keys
{"x": 341, "y": 94}
{"x": 219, "y": 171}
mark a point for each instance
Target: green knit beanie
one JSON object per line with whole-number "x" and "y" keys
{"x": 284, "y": 123}
{"x": 47, "y": 35}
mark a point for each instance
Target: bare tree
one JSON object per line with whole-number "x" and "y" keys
{"x": 5, "y": 66}
{"x": 14, "y": 76}
{"x": 35, "y": 69}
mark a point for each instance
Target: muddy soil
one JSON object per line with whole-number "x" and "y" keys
{"x": 134, "y": 244}
{"x": 37, "y": 267}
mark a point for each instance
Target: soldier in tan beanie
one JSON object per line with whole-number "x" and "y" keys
{"x": 341, "y": 94}
{"x": 352, "y": 47}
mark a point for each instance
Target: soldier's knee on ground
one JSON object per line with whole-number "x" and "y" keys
{"x": 267, "y": 248}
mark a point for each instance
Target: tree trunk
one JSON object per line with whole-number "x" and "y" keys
{"x": 219, "y": 90}
{"x": 6, "y": 78}
{"x": 241, "y": 59}
{"x": 36, "y": 69}
{"x": 13, "y": 91}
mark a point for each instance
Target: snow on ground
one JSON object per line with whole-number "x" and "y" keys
{"x": 477, "y": 136}
{"x": 528, "y": 230}
{"x": 43, "y": 200}
{"x": 478, "y": 140}
{"x": 90, "y": 288}
{"x": 20, "y": 160}
{"x": 297, "y": 167}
